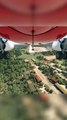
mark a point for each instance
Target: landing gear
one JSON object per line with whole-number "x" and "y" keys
{"x": 61, "y": 55}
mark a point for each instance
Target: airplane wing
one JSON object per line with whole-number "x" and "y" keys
{"x": 47, "y": 12}
{"x": 18, "y": 18}
{"x": 23, "y": 34}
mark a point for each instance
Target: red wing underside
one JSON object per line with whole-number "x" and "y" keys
{"x": 48, "y": 18}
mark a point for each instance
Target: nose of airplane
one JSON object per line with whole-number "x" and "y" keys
{"x": 56, "y": 46}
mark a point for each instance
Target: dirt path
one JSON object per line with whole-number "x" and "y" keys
{"x": 44, "y": 78}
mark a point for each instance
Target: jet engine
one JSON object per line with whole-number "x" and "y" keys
{"x": 60, "y": 46}
{"x": 6, "y": 45}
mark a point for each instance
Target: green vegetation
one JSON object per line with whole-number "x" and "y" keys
{"x": 14, "y": 73}
{"x": 47, "y": 88}
{"x": 16, "y": 69}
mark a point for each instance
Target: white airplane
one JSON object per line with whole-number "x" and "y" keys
{"x": 5, "y": 45}
{"x": 60, "y": 46}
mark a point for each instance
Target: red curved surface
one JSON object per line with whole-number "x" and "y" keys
{"x": 17, "y": 17}
{"x": 47, "y": 12}
{"x": 23, "y": 6}
{"x": 51, "y": 35}
{"x": 37, "y": 29}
